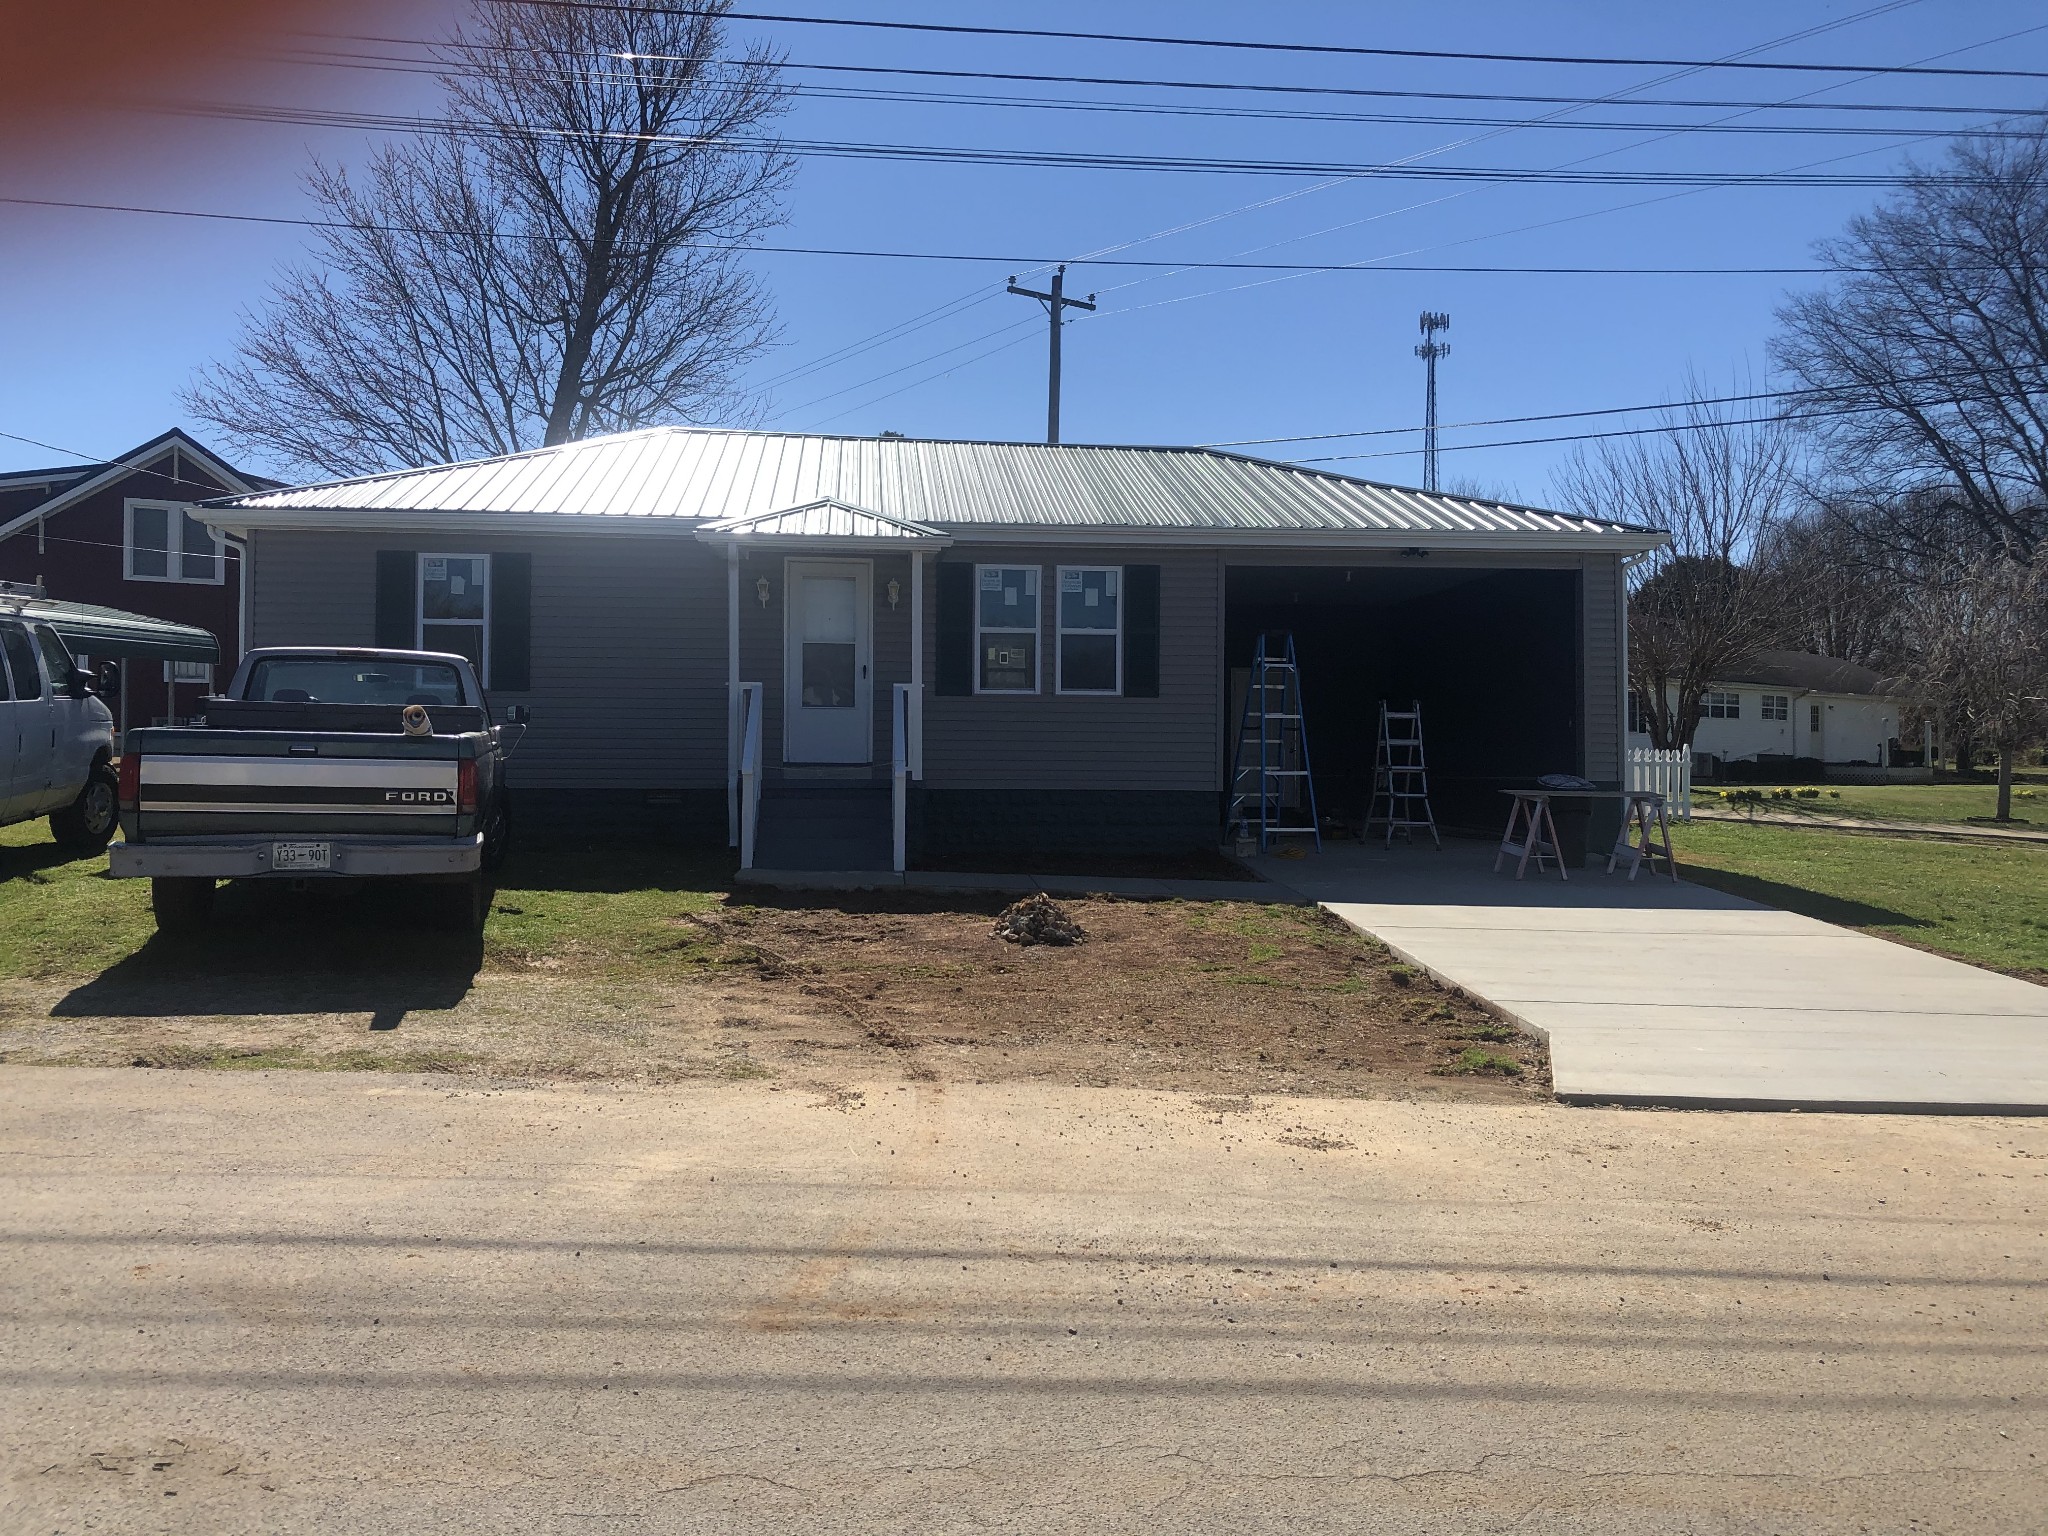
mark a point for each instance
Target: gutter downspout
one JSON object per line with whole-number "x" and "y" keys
{"x": 1627, "y": 568}
{"x": 244, "y": 549}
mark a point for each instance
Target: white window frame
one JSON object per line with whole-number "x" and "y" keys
{"x": 1775, "y": 706}
{"x": 174, "y": 556}
{"x": 1037, "y": 630}
{"x": 1060, "y": 633}
{"x": 187, "y": 674}
{"x": 1721, "y": 705}
{"x": 420, "y": 621}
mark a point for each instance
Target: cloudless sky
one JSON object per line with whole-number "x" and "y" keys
{"x": 104, "y": 316}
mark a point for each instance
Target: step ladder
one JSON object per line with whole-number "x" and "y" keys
{"x": 1270, "y": 788}
{"x": 1400, "y": 777}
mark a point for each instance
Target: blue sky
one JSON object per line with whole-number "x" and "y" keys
{"x": 103, "y": 316}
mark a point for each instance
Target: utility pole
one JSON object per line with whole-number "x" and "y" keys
{"x": 1054, "y": 302}
{"x": 1429, "y": 351}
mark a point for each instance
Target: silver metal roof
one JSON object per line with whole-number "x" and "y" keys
{"x": 694, "y": 474}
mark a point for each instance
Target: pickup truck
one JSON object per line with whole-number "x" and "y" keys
{"x": 56, "y": 736}
{"x": 322, "y": 765}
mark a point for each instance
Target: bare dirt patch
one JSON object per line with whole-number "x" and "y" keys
{"x": 1225, "y": 998}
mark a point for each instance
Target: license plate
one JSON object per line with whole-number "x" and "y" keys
{"x": 301, "y": 855}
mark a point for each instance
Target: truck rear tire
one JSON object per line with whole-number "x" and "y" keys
{"x": 87, "y": 824}
{"x": 465, "y": 904}
{"x": 182, "y": 903}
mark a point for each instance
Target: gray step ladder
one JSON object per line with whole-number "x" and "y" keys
{"x": 1271, "y": 791}
{"x": 1400, "y": 777}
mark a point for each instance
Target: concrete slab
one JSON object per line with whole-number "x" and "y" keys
{"x": 1662, "y": 992}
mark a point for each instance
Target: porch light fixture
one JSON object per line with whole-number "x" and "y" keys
{"x": 761, "y": 589}
{"x": 895, "y": 592}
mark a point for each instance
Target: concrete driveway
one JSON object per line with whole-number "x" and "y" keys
{"x": 295, "y": 1302}
{"x": 1652, "y": 992}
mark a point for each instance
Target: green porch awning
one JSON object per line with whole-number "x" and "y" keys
{"x": 109, "y": 633}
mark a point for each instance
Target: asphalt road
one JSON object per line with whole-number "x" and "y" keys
{"x": 298, "y": 1302}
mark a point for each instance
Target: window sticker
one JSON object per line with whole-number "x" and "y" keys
{"x": 1091, "y": 599}
{"x": 1070, "y": 581}
{"x": 1109, "y": 583}
{"x": 991, "y": 579}
{"x": 435, "y": 569}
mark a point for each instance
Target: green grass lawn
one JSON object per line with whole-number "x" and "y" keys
{"x": 1982, "y": 902}
{"x": 1950, "y": 803}
{"x": 612, "y": 909}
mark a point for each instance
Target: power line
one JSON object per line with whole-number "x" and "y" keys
{"x": 1335, "y": 50}
{"x": 1254, "y": 87}
{"x": 998, "y": 258}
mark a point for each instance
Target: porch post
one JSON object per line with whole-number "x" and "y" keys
{"x": 916, "y": 663}
{"x": 732, "y": 695}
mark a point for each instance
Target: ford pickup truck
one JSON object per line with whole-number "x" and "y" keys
{"x": 322, "y": 765}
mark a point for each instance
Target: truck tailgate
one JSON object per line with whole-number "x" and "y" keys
{"x": 253, "y": 784}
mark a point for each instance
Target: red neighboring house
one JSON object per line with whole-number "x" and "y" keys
{"x": 118, "y": 534}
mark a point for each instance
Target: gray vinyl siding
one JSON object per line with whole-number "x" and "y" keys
{"x": 1603, "y": 613}
{"x": 1049, "y": 741}
{"x": 628, "y": 644}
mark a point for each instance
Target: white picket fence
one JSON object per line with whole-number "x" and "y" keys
{"x": 1651, "y": 771}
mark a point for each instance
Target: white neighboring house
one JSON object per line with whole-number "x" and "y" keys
{"x": 1794, "y": 704}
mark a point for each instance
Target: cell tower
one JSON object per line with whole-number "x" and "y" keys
{"x": 1429, "y": 351}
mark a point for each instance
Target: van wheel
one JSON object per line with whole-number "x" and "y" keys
{"x": 182, "y": 904}
{"x": 87, "y": 824}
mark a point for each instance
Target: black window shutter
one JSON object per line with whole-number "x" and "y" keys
{"x": 398, "y": 596}
{"x": 955, "y": 631}
{"x": 1141, "y": 631}
{"x": 511, "y": 623}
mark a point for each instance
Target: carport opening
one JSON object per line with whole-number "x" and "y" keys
{"x": 1493, "y": 656}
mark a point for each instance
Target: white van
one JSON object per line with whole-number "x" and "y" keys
{"x": 56, "y": 738}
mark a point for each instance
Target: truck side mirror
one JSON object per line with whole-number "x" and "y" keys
{"x": 108, "y": 685}
{"x": 515, "y": 714}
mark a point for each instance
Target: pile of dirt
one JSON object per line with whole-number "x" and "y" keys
{"x": 1038, "y": 920}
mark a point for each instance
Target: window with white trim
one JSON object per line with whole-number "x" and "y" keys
{"x": 1813, "y": 718}
{"x": 163, "y": 541}
{"x": 1090, "y": 623}
{"x": 200, "y": 672}
{"x": 1006, "y": 629}
{"x": 455, "y": 606}
{"x": 1638, "y": 717}
{"x": 1776, "y": 706}
{"x": 1723, "y": 706}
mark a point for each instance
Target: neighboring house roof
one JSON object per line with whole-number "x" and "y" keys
{"x": 95, "y": 631}
{"x": 691, "y": 474}
{"x": 80, "y": 482}
{"x": 1811, "y": 673}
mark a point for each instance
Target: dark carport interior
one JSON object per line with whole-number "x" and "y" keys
{"x": 1493, "y": 656}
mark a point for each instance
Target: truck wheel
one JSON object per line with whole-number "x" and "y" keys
{"x": 497, "y": 834}
{"x": 87, "y": 824}
{"x": 465, "y": 904}
{"x": 182, "y": 903}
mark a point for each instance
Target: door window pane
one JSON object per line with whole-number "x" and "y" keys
{"x": 828, "y": 668}
{"x": 830, "y": 612}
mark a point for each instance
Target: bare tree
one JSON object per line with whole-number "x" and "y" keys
{"x": 1701, "y": 605}
{"x": 558, "y": 257}
{"x": 1980, "y": 637}
{"x": 1927, "y": 360}
{"x": 1839, "y": 592}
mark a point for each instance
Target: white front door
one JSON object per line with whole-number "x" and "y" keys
{"x": 827, "y": 663}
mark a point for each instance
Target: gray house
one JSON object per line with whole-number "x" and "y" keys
{"x": 1038, "y": 648}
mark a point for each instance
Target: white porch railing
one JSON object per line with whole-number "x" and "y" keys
{"x": 906, "y": 762}
{"x": 1651, "y": 770}
{"x": 749, "y": 770}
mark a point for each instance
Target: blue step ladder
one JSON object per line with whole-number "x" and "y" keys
{"x": 1271, "y": 791}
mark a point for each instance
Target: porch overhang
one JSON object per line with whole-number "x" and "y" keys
{"x": 823, "y": 526}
